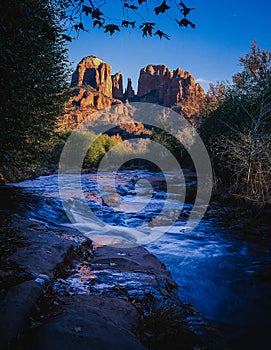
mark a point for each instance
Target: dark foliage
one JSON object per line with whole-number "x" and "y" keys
{"x": 33, "y": 68}
{"x": 142, "y": 14}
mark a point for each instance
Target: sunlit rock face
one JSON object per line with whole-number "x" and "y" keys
{"x": 94, "y": 72}
{"x": 93, "y": 87}
{"x": 159, "y": 84}
{"x": 85, "y": 102}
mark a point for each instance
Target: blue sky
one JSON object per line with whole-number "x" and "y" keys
{"x": 224, "y": 32}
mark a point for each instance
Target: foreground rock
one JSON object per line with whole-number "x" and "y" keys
{"x": 96, "y": 323}
{"x": 66, "y": 294}
{"x": 32, "y": 262}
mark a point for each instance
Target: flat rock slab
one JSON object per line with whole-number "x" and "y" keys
{"x": 42, "y": 251}
{"x": 96, "y": 322}
{"x": 15, "y": 308}
{"x": 45, "y": 248}
{"x": 104, "y": 321}
{"x": 136, "y": 259}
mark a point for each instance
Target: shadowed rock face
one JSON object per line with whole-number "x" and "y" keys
{"x": 94, "y": 72}
{"x": 129, "y": 92}
{"x": 117, "y": 86}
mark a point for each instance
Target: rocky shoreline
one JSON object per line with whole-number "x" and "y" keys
{"x": 58, "y": 291}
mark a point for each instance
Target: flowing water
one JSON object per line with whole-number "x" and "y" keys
{"x": 221, "y": 275}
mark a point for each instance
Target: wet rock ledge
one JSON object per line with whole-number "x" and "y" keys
{"x": 57, "y": 291}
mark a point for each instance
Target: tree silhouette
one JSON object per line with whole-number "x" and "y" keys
{"x": 115, "y": 15}
{"x": 33, "y": 67}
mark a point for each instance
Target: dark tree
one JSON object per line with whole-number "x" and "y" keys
{"x": 33, "y": 71}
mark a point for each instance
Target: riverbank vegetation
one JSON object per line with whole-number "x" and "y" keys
{"x": 236, "y": 130}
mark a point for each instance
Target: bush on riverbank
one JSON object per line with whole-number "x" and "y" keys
{"x": 237, "y": 132}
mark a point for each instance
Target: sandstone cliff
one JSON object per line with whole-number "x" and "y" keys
{"x": 94, "y": 72}
{"x": 159, "y": 84}
{"x": 84, "y": 102}
{"x": 95, "y": 88}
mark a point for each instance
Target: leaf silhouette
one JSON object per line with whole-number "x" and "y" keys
{"x": 161, "y": 34}
{"x": 86, "y": 9}
{"x": 132, "y": 7}
{"x": 127, "y": 23}
{"x": 80, "y": 26}
{"x": 185, "y": 10}
{"x": 67, "y": 37}
{"x": 162, "y": 8}
{"x": 96, "y": 14}
{"x": 147, "y": 28}
{"x": 185, "y": 23}
{"x": 98, "y": 23}
{"x": 111, "y": 28}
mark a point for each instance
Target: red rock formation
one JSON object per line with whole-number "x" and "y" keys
{"x": 85, "y": 101}
{"x": 117, "y": 86}
{"x": 152, "y": 79}
{"x": 92, "y": 85}
{"x": 129, "y": 92}
{"x": 94, "y": 89}
{"x": 159, "y": 84}
{"x": 94, "y": 72}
